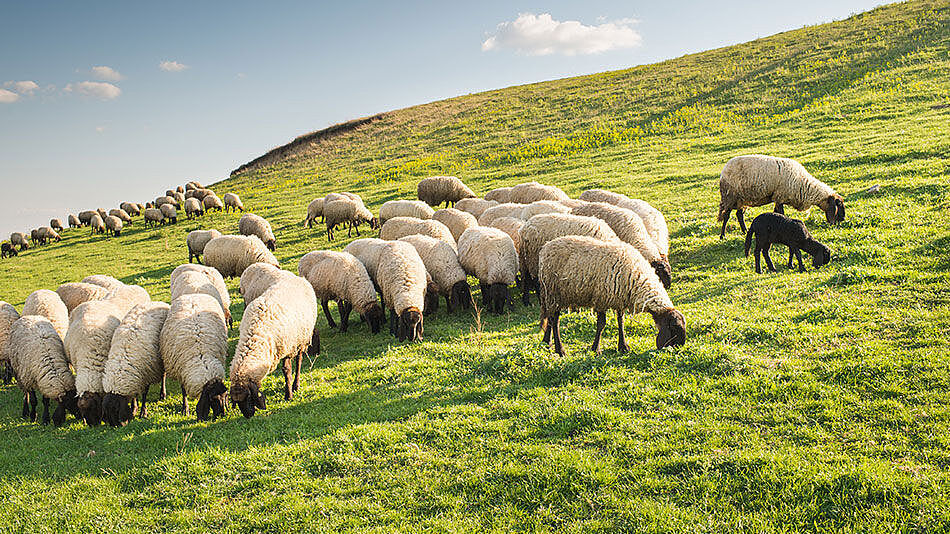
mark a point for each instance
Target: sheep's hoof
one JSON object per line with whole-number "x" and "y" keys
{"x": 623, "y": 349}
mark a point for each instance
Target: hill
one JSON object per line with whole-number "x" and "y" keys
{"x": 801, "y": 401}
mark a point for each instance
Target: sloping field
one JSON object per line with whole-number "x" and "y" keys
{"x": 801, "y": 401}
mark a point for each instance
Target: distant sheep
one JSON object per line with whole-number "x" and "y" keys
{"x": 56, "y": 224}
{"x": 404, "y": 208}
{"x": 231, "y": 254}
{"x": 438, "y": 189}
{"x": 46, "y": 234}
{"x": 196, "y": 241}
{"x": 73, "y": 221}
{"x": 770, "y": 228}
{"x": 153, "y": 217}
{"x": 475, "y": 206}
{"x": 7, "y": 250}
{"x": 501, "y": 195}
{"x": 251, "y": 224}
{"x": 442, "y": 263}
{"x": 193, "y": 208}
{"x": 169, "y": 212}
{"x": 19, "y": 240}
{"x": 114, "y": 225}
{"x": 529, "y": 192}
{"x": 39, "y": 362}
{"x": 86, "y": 216}
{"x": 211, "y": 202}
{"x": 232, "y": 202}
{"x": 348, "y": 212}
{"x": 97, "y": 224}
{"x": 131, "y": 208}
{"x": 402, "y": 226}
{"x": 315, "y": 210}
{"x": 161, "y": 201}
{"x": 457, "y": 221}
{"x": 489, "y": 255}
{"x": 122, "y": 215}
{"x": 47, "y": 304}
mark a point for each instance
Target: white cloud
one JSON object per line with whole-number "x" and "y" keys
{"x": 172, "y": 66}
{"x": 101, "y": 90}
{"x": 25, "y": 87}
{"x": 106, "y": 73}
{"x": 541, "y": 35}
{"x": 8, "y": 97}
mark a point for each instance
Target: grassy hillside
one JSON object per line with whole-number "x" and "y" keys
{"x": 817, "y": 400}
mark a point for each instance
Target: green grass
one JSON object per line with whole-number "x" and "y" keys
{"x": 801, "y": 401}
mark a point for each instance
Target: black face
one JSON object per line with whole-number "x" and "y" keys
{"x": 90, "y": 407}
{"x": 272, "y": 245}
{"x": 834, "y": 210}
{"x": 821, "y": 257}
{"x": 431, "y": 303}
{"x": 375, "y": 318}
{"x": 664, "y": 272}
{"x": 212, "y": 399}
{"x": 498, "y": 297}
{"x": 374, "y": 223}
{"x": 461, "y": 295}
{"x": 248, "y": 399}
{"x": 116, "y": 410}
{"x": 71, "y": 402}
{"x": 410, "y": 326}
{"x": 671, "y": 328}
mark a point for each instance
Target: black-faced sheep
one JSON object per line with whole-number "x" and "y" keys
{"x": 196, "y": 241}
{"x": 169, "y": 212}
{"x": 193, "y": 208}
{"x": 404, "y": 208}
{"x": 251, "y": 224}
{"x": 214, "y": 277}
{"x": 87, "y": 345}
{"x": 86, "y": 216}
{"x": 131, "y": 208}
{"x": 402, "y": 277}
{"x": 114, "y": 225}
{"x": 315, "y": 210}
{"x": 39, "y": 363}
{"x": 770, "y": 228}
{"x": 153, "y": 217}
{"x": 8, "y": 316}
{"x": 73, "y": 221}
{"x": 652, "y": 218}
{"x": 442, "y": 263}
{"x": 211, "y": 202}
{"x": 231, "y": 254}
{"x": 348, "y": 212}
{"x": 56, "y": 224}
{"x": 232, "y": 202}
{"x": 340, "y": 276}
{"x": 438, "y": 189}
{"x": 121, "y": 214}
{"x": 489, "y": 255}
{"x": 258, "y": 278}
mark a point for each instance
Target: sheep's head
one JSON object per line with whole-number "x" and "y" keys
{"x": 375, "y": 317}
{"x": 211, "y": 401}
{"x": 374, "y": 223}
{"x": 671, "y": 328}
{"x": 820, "y": 255}
{"x": 116, "y": 410}
{"x": 431, "y": 303}
{"x": 461, "y": 295}
{"x": 271, "y": 244}
{"x": 90, "y": 408}
{"x": 410, "y": 325}
{"x": 834, "y": 209}
{"x": 314, "y": 347}
{"x": 498, "y": 297}
{"x": 248, "y": 398}
{"x": 664, "y": 272}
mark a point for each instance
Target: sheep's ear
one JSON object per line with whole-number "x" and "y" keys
{"x": 257, "y": 397}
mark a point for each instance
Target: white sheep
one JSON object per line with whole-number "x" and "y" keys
{"x": 87, "y": 345}
{"x": 501, "y": 195}
{"x": 214, "y": 277}
{"x": 258, "y": 278}
{"x": 126, "y": 297}
{"x": 153, "y": 216}
{"x": 19, "y": 240}
{"x": 193, "y": 208}
{"x": 529, "y": 192}
{"x": 509, "y": 209}
{"x": 251, "y": 224}
{"x": 130, "y": 208}
{"x": 586, "y": 272}
{"x": 39, "y": 363}
{"x": 348, "y": 212}
{"x": 114, "y": 225}
{"x": 232, "y": 202}
{"x": 402, "y": 226}
{"x": 103, "y": 280}
{"x": 653, "y": 220}
{"x": 211, "y": 202}
{"x": 97, "y": 224}
{"x": 442, "y": 263}
{"x": 402, "y": 277}
{"x": 315, "y": 210}
{"x": 340, "y": 276}
{"x": 540, "y": 207}
{"x": 367, "y": 251}
{"x": 231, "y": 254}
{"x": 196, "y": 241}
{"x": 457, "y": 221}
{"x": 169, "y": 212}
{"x": 489, "y": 255}
{"x": 194, "y": 282}
{"x": 48, "y": 304}
{"x": 8, "y": 316}
{"x": 73, "y": 221}
{"x": 475, "y": 206}
{"x": 121, "y": 214}
{"x": 435, "y": 190}
{"x": 75, "y": 293}
{"x": 404, "y": 208}
{"x": 512, "y": 227}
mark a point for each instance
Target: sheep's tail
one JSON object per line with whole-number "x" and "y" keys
{"x": 748, "y": 241}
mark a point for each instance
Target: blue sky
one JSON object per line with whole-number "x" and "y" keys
{"x": 240, "y": 78}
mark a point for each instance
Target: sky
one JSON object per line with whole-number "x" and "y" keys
{"x": 102, "y": 102}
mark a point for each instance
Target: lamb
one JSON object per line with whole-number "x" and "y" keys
{"x": 75, "y": 293}
{"x": 211, "y": 202}
{"x": 653, "y": 219}
{"x": 438, "y": 189}
{"x": 103, "y": 280}
{"x": 489, "y": 255}
{"x": 87, "y": 345}
{"x": 543, "y": 228}
{"x": 258, "y": 278}
{"x": 56, "y": 224}
{"x": 19, "y": 240}
{"x": 251, "y": 224}
{"x": 193, "y": 208}
{"x": 114, "y": 225}
{"x": 314, "y": 210}
{"x": 130, "y": 208}
{"x": 39, "y": 362}
{"x": 46, "y": 303}
{"x": 402, "y": 277}
{"x": 8, "y": 316}
{"x": 442, "y": 263}
{"x": 86, "y": 216}
{"x": 540, "y": 207}
{"x": 196, "y": 241}
{"x": 457, "y": 221}
{"x": 630, "y": 229}
{"x": 121, "y": 214}
{"x": 278, "y": 325}
{"x": 134, "y": 362}
{"x": 153, "y": 216}
{"x": 7, "y": 249}
{"x": 195, "y": 282}
{"x": 475, "y": 206}
{"x": 97, "y": 224}
{"x": 402, "y": 226}
{"x": 529, "y": 192}
{"x": 340, "y": 276}
{"x": 73, "y": 221}
{"x": 509, "y": 209}
{"x": 349, "y": 212}
{"x": 194, "y": 347}
{"x": 169, "y": 212}
{"x": 404, "y": 208}
{"x": 232, "y": 202}
{"x": 756, "y": 180}
{"x": 214, "y": 277}
{"x": 512, "y": 227}
{"x": 769, "y": 228}
{"x": 231, "y": 254}
{"x": 581, "y": 271}
{"x": 502, "y": 195}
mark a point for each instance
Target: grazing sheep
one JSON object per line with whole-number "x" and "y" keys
{"x": 73, "y": 221}
{"x": 86, "y": 216}
{"x": 47, "y": 304}
{"x": 194, "y": 348}
{"x": 75, "y": 293}
{"x": 7, "y": 249}
{"x": 169, "y": 212}
{"x": 87, "y": 344}
{"x": 163, "y": 200}
{"x": 148, "y": 205}
{"x": 251, "y": 224}
{"x": 543, "y": 228}
{"x": 457, "y": 221}
{"x": 153, "y": 216}
{"x": 630, "y": 229}
{"x": 404, "y": 208}
{"x": 770, "y": 228}
{"x": 193, "y": 208}
{"x": 653, "y": 220}
{"x": 756, "y": 180}
{"x": 196, "y": 241}
{"x": 442, "y": 263}
{"x": 586, "y": 272}
{"x": 19, "y": 240}
{"x": 349, "y": 212}
{"x": 489, "y": 255}
{"x": 131, "y": 208}
{"x": 438, "y": 189}
{"x": 340, "y": 276}
{"x": 126, "y": 297}
{"x": 529, "y": 192}
{"x": 97, "y": 224}
{"x": 367, "y": 251}
{"x": 258, "y": 278}
{"x": 202, "y": 193}
{"x": 512, "y": 227}
{"x": 195, "y": 282}
{"x": 35, "y": 237}
{"x": 314, "y": 210}
{"x": 211, "y": 202}
{"x": 540, "y": 207}
{"x": 402, "y": 277}
{"x": 402, "y": 226}
{"x": 8, "y": 316}
{"x": 232, "y": 202}
{"x": 179, "y": 198}
{"x": 103, "y": 280}
{"x": 475, "y": 206}
{"x": 102, "y": 213}
{"x": 501, "y": 195}
{"x": 39, "y": 363}
{"x": 46, "y": 234}
{"x": 56, "y": 224}
{"x": 231, "y": 254}
{"x": 509, "y": 209}
{"x": 278, "y": 325}
{"x": 114, "y": 225}
{"x": 212, "y": 275}
{"x": 121, "y": 214}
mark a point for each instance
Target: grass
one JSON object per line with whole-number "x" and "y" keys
{"x": 801, "y": 401}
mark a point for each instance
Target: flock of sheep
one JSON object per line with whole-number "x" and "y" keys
{"x": 96, "y": 346}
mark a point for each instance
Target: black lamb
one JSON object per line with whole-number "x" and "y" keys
{"x": 770, "y": 228}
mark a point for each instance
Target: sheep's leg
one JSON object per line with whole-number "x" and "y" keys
{"x": 163, "y": 393}
{"x": 26, "y": 406}
{"x": 184, "y": 402}
{"x": 288, "y": 370}
{"x": 779, "y": 208}
{"x": 725, "y": 219}
{"x": 768, "y": 259}
{"x": 326, "y": 311}
{"x": 357, "y": 228}
{"x": 349, "y": 229}
{"x": 601, "y": 323}
{"x": 45, "y": 411}
{"x": 143, "y": 413}
{"x": 526, "y": 289}
{"x": 135, "y": 404}
{"x": 556, "y": 319}
{"x": 297, "y": 371}
{"x": 392, "y": 321}
{"x": 791, "y": 254}
{"x": 801, "y": 266}
{"x": 484, "y": 290}
{"x": 622, "y": 346}
{"x": 344, "y": 314}
{"x": 547, "y": 332}
{"x": 758, "y": 251}
{"x": 32, "y": 406}
{"x": 740, "y": 215}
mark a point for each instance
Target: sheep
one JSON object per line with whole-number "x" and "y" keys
{"x": 167, "y": 199}
{"x": 75, "y": 293}
{"x": 193, "y": 208}
{"x": 114, "y": 225}
{"x": 47, "y": 234}
{"x": 314, "y": 210}
{"x": 402, "y": 226}
{"x": 233, "y": 202}
{"x": 56, "y": 224}
{"x": 404, "y": 208}
{"x": 103, "y": 280}
{"x": 475, "y": 206}
{"x": 126, "y": 297}
{"x": 435, "y": 190}
{"x": 7, "y": 249}
{"x": 97, "y": 224}
{"x": 231, "y": 254}
{"x": 543, "y": 228}
{"x": 251, "y": 224}
{"x": 278, "y": 325}
{"x": 87, "y": 345}
{"x": 169, "y": 212}
{"x": 349, "y": 212}
{"x": 73, "y": 221}
{"x": 194, "y": 282}
{"x": 19, "y": 240}
{"x": 630, "y": 229}
{"x": 502, "y": 195}
{"x": 211, "y": 202}
{"x": 581, "y": 271}
{"x": 509, "y": 209}
{"x": 169, "y": 192}
{"x": 196, "y": 241}
{"x": 179, "y": 198}
{"x": 131, "y": 208}
{"x": 202, "y": 193}
{"x": 442, "y": 263}
{"x": 367, "y": 251}
{"x": 153, "y": 216}
{"x": 102, "y": 213}
{"x": 652, "y": 218}
{"x": 512, "y": 227}
{"x": 8, "y": 316}
{"x": 47, "y": 304}
{"x": 194, "y": 346}
{"x": 540, "y": 207}
{"x": 342, "y": 277}
{"x": 769, "y": 228}
{"x": 529, "y": 192}
{"x": 35, "y": 237}
{"x": 402, "y": 277}
{"x": 85, "y": 217}
{"x": 489, "y": 255}
{"x": 180, "y": 189}
{"x": 457, "y": 221}
{"x": 121, "y": 214}
{"x": 212, "y": 275}
{"x": 756, "y": 180}
{"x": 39, "y": 362}
{"x": 258, "y": 278}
